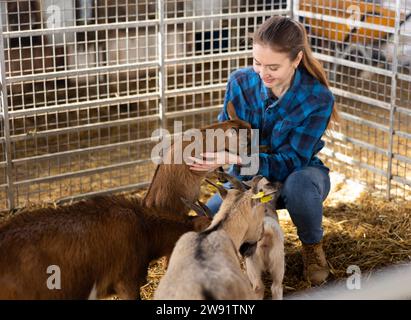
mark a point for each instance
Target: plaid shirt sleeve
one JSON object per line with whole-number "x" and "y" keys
{"x": 303, "y": 115}
{"x": 301, "y": 145}
{"x": 235, "y": 95}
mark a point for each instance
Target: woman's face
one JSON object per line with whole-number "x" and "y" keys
{"x": 274, "y": 68}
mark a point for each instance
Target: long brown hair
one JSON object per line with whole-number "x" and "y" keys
{"x": 286, "y": 35}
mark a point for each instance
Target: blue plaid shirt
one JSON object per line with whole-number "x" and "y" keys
{"x": 291, "y": 126}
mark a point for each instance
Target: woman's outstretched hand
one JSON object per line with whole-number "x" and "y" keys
{"x": 213, "y": 160}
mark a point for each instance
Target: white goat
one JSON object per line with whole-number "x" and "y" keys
{"x": 269, "y": 255}
{"x": 206, "y": 265}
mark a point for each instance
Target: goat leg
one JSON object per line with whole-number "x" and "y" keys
{"x": 254, "y": 274}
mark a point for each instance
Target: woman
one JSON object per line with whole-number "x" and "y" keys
{"x": 285, "y": 95}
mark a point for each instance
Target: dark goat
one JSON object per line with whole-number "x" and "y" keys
{"x": 107, "y": 241}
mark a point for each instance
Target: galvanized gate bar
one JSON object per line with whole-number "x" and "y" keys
{"x": 351, "y": 161}
{"x": 162, "y": 70}
{"x": 248, "y": 14}
{"x": 82, "y": 28}
{"x": 393, "y": 94}
{"x": 342, "y": 137}
{"x": 361, "y": 98}
{"x": 348, "y": 63}
{"x": 84, "y": 127}
{"x": 217, "y": 56}
{"x": 79, "y": 72}
{"x": 130, "y": 187}
{"x": 368, "y": 123}
{"x": 81, "y": 173}
{"x": 63, "y": 154}
{"x": 328, "y": 18}
{"x": 6, "y": 125}
{"x": 80, "y": 105}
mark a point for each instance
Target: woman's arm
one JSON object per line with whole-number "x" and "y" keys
{"x": 235, "y": 94}
{"x": 213, "y": 160}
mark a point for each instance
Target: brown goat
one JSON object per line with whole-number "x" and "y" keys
{"x": 107, "y": 241}
{"x": 172, "y": 182}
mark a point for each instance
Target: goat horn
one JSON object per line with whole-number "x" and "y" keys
{"x": 198, "y": 209}
{"x": 237, "y": 184}
{"x": 221, "y": 175}
{"x": 221, "y": 190}
{"x": 205, "y": 208}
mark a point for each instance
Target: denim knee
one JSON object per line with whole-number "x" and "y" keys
{"x": 304, "y": 184}
{"x": 303, "y": 194}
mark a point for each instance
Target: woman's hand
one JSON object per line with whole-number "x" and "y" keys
{"x": 213, "y": 160}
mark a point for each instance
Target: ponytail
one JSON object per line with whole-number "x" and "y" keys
{"x": 314, "y": 67}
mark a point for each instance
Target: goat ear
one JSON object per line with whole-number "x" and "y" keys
{"x": 254, "y": 183}
{"x": 221, "y": 190}
{"x": 271, "y": 188}
{"x": 268, "y": 187}
{"x": 232, "y": 115}
{"x": 197, "y": 209}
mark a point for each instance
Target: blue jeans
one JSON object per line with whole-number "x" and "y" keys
{"x": 302, "y": 195}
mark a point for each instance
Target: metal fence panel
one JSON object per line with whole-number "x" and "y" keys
{"x": 364, "y": 46}
{"x": 85, "y": 83}
{"x": 88, "y": 81}
{"x": 82, "y": 95}
{"x": 401, "y": 166}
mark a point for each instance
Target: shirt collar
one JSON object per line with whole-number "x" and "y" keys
{"x": 267, "y": 94}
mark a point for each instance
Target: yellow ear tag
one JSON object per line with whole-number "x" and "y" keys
{"x": 266, "y": 199}
{"x": 258, "y": 195}
{"x": 219, "y": 183}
